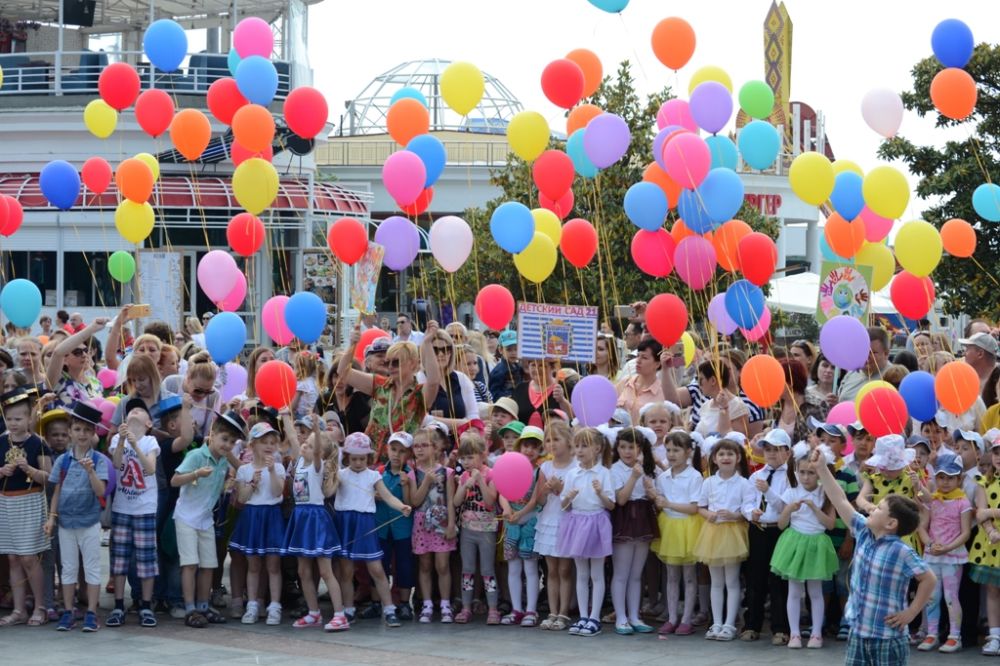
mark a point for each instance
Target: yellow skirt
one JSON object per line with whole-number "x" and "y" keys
{"x": 722, "y": 543}
{"x": 678, "y": 537}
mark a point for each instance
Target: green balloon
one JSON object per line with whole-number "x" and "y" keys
{"x": 757, "y": 99}
{"x": 121, "y": 265}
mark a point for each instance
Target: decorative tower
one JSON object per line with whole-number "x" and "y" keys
{"x": 778, "y": 61}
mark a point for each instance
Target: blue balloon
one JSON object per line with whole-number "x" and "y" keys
{"x": 646, "y": 206}
{"x": 225, "y": 336}
{"x": 305, "y": 315}
{"x": 408, "y": 92}
{"x": 745, "y": 303}
{"x": 60, "y": 184}
{"x": 827, "y": 252}
{"x": 722, "y": 194}
{"x": 233, "y": 61}
{"x": 512, "y": 226}
{"x": 165, "y": 44}
{"x": 724, "y": 152}
{"x": 257, "y": 80}
{"x": 432, "y": 153}
{"x": 692, "y": 210}
{"x": 610, "y": 6}
{"x": 952, "y": 43}
{"x": 21, "y": 302}
{"x": 917, "y": 391}
{"x": 759, "y": 143}
{"x": 986, "y": 201}
{"x": 847, "y": 198}
{"x": 581, "y": 161}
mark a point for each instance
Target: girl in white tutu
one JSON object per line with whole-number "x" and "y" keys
{"x": 558, "y": 567}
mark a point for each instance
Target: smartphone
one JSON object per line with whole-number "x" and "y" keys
{"x": 624, "y": 312}
{"x": 139, "y": 311}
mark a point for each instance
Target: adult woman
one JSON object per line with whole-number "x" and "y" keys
{"x": 470, "y": 366}
{"x": 821, "y": 386}
{"x": 68, "y": 373}
{"x": 540, "y": 392}
{"x": 923, "y": 346}
{"x": 458, "y": 332}
{"x": 142, "y": 380}
{"x": 803, "y": 352}
{"x": 455, "y": 401}
{"x": 195, "y": 332}
{"x": 351, "y": 407}
{"x": 258, "y": 357}
{"x": 797, "y": 405}
{"x": 605, "y": 358}
{"x": 29, "y": 355}
{"x": 722, "y": 411}
{"x": 199, "y": 383}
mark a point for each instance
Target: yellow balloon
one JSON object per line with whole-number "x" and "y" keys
{"x": 134, "y": 221}
{"x": 840, "y": 166}
{"x": 688, "y": 343}
{"x": 868, "y": 388}
{"x": 886, "y": 192}
{"x": 710, "y": 73}
{"x": 151, "y": 162}
{"x": 538, "y": 260}
{"x": 100, "y": 118}
{"x": 811, "y": 177}
{"x": 255, "y": 184}
{"x": 528, "y": 135}
{"x": 462, "y": 86}
{"x": 918, "y": 247}
{"x": 880, "y": 258}
{"x": 1, "y": 76}
{"x": 547, "y": 222}
{"x": 115, "y": 399}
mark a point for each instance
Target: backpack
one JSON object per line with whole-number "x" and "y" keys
{"x": 109, "y": 487}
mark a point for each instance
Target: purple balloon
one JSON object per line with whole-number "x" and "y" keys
{"x": 606, "y": 139}
{"x": 718, "y": 315}
{"x": 594, "y": 399}
{"x": 844, "y": 342}
{"x": 659, "y": 140}
{"x": 401, "y": 241}
{"x": 236, "y": 381}
{"x": 711, "y": 106}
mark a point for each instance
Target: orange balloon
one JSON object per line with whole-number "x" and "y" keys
{"x": 763, "y": 380}
{"x": 654, "y": 174}
{"x": 134, "y": 180}
{"x": 406, "y": 119}
{"x": 953, "y": 92}
{"x": 673, "y": 42}
{"x": 727, "y": 241}
{"x": 844, "y": 238}
{"x": 190, "y": 133}
{"x": 593, "y": 72}
{"x": 958, "y": 237}
{"x": 581, "y": 116}
{"x": 956, "y": 386}
{"x": 253, "y": 127}
{"x": 680, "y": 231}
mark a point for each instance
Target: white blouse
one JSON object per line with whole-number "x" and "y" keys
{"x": 804, "y": 520}
{"x": 307, "y": 486}
{"x": 587, "y": 500}
{"x": 734, "y": 494}
{"x": 779, "y": 484}
{"x": 620, "y": 474}
{"x": 356, "y": 491}
{"x": 683, "y": 488}
{"x": 262, "y": 495}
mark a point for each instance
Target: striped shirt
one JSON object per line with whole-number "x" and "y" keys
{"x": 698, "y": 399}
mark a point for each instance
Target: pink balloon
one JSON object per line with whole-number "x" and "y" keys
{"x": 236, "y": 296}
{"x": 676, "y": 112}
{"x": 107, "y": 377}
{"x": 236, "y": 381}
{"x": 273, "y": 318}
{"x": 253, "y": 36}
{"x": 404, "y": 176}
{"x": 876, "y": 226}
{"x": 107, "y": 411}
{"x": 718, "y": 315}
{"x": 217, "y": 273}
{"x": 758, "y": 331}
{"x": 512, "y": 474}
{"x": 843, "y": 413}
{"x": 694, "y": 261}
{"x": 687, "y": 158}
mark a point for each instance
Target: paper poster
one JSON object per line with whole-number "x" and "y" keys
{"x": 161, "y": 284}
{"x": 567, "y": 332}
{"x": 320, "y": 276}
{"x": 844, "y": 289}
{"x": 364, "y": 282}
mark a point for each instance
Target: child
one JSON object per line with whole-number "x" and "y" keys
{"x": 306, "y": 392}
{"x": 984, "y": 556}
{"x": 726, "y": 501}
{"x": 355, "y": 522}
{"x": 521, "y": 518}
{"x": 661, "y": 417}
{"x": 53, "y": 425}
{"x": 509, "y": 434}
{"x": 395, "y": 531}
{"x": 201, "y": 477}
{"x": 935, "y": 432}
{"x": 633, "y": 524}
{"x": 891, "y": 460}
{"x": 79, "y": 476}
{"x": 863, "y": 443}
{"x": 585, "y": 532}
{"x": 558, "y": 567}
{"x": 944, "y": 539}
{"x": 176, "y": 435}
{"x": 476, "y": 499}
{"x": 133, "y": 513}
{"x": 804, "y": 555}
{"x": 883, "y": 566}
{"x": 969, "y": 446}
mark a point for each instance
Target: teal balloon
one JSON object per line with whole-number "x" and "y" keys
{"x": 305, "y": 315}
{"x": 610, "y": 6}
{"x": 722, "y": 192}
{"x": 759, "y": 144}
{"x": 724, "y": 153}
{"x": 846, "y": 197}
{"x": 986, "y": 201}
{"x": 827, "y": 252}
{"x": 21, "y": 302}
{"x": 512, "y": 226}
{"x": 225, "y": 336}
{"x": 581, "y": 162}
{"x": 233, "y": 61}
{"x": 408, "y": 92}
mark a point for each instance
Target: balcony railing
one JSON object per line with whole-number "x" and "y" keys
{"x": 343, "y": 151}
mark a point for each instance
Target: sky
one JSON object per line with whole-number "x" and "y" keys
{"x": 841, "y": 50}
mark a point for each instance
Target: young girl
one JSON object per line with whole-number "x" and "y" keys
{"x": 893, "y": 477}
{"x": 306, "y": 392}
{"x": 476, "y": 498}
{"x": 804, "y": 554}
{"x": 521, "y": 519}
{"x": 679, "y": 489}
{"x": 355, "y": 523}
{"x": 985, "y": 554}
{"x": 726, "y": 499}
{"x": 633, "y": 524}
{"x": 558, "y": 567}
{"x": 585, "y": 532}
{"x": 661, "y": 417}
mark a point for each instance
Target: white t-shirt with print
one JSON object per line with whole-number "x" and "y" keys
{"x": 136, "y": 491}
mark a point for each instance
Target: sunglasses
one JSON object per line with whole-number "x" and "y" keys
{"x": 79, "y": 351}
{"x": 200, "y": 393}
{"x": 442, "y": 351}
{"x": 394, "y": 363}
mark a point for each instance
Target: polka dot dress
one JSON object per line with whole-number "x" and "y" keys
{"x": 901, "y": 485}
{"x": 985, "y": 556}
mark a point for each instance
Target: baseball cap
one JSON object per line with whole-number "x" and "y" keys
{"x": 532, "y": 432}
{"x": 260, "y": 429}
{"x": 515, "y": 427}
{"x": 621, "y": 417}
{"x": 855, "y": 428}
{"x": 917, "y": 440}
{"x": 506, "y": 404}
{"x": 984, "y": 341}
{"x": 378, "y": 346}
{"x": 948, "y": 463}
{"x": 403, "y": 438}
{"x": 832, "y": 429}
{"x": 135, "y": 403}
{"x": 969, "y": 436}
{"x": 307, "y": 422}
{"x": 777, "y": 437}
{"x": 508, "y": 339}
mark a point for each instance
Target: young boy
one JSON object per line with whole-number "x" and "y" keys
{"x": 508, "y": 435}
{"x": 877, "y": 611}
{"x": 133, "y": 513}
{"x": 969, "y": 446}
{"x": 53, "y": 426}
{"x": 177, "y": 434}
{"x": 396, "y": 530}
{"x": 201, "y": 478}
{"x": 863, "y": 443}
{"x": 79, "y": 476}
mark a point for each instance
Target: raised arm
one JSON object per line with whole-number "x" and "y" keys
{"x": 680, "y": 397}
{"x": 113, "y": 345}
{"x": 54, "y": 372}
{"x": 361, "y": 381}
{"x": 836, "y": 494}
{"x": 432, "y": 373}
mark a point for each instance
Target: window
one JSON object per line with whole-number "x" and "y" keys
{"x": 87, "y": 283}
{"x": 39, "y": 267}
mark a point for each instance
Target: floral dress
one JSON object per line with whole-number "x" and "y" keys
{"x": 389, "y": 414}
{"x": 70, "y": 391}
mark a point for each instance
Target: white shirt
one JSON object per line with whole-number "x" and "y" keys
{"x": 620, "y": 475}
{"x": 262, "y": 496}
{"x": 779, "y": 484}
{"x": 708, "y": 421}
{"x": 804, "y": 520}
{"x": 660, "y": 453}
{"x": 307, "y": 486}
{"x": 587, "y": 500}
{"x": 970, "y": 481}
{"x": 734, "y": 494}
{"x": 416, "y": 337}
{"x": 551, "y": 512}
{"x": 136, "y": 492}
{"x": 970, "y": 419}
{"x": 356, "y": 491}
{"x": 683, "y": 488}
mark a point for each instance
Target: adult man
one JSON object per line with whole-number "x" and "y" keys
{"x": 508, "y": 373}
{"x": 876, "y": 363}
{"x": 981, "y": 351}
{"x": 644, "y": 386}
{"x": 632, "y": 337}
{"x": 75, "y": 324}
{"x": 405, "y": 331}
{"x": 977, "y": 326}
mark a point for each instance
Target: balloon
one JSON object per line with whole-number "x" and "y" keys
{"x": 883, "y": 412}
{"x": 606, "y": 140}
{"x": 255, "y": 185}
{"x": 722, "y": 194}
{"x": 165, "y": 44}
{"x": 348, "y": 240}
{"x": 273, "y": 320}
{"x": 711, "y": 106}
{"x": 986, "y": 201}
{"x": 913, "y": 296}
{"x": 673, "y": 42}
{"x": 538, "y": 260}
{"x": 763, "y": 380}
{"x": 687, "y": 159}
{"x": 190, "y": 133}
{"x": 404, "y": 175}
{"x": 580, "y": 117}
{"x": 761, "y": 329}
{"x": 886, "y": 192}
{"x": 653, "y": 252}
{"x": 14, "y": 216}
{"x": 578, "y": 242}
{"x": 408, "y": 92}
{"x": 100, "y": 118}
{"x": 60, "y": 184}
{"x": 956, "y": 386}
{"x": 306, "y": 111}
{"x": 238, "y": 154}
{"x": 512, "y": 475}
{"x": 245, "y": 234}
{"x": 680, "y": 231}
{"x": 692, "y": 210}
{"x": 646, "y": 206}
{"x": 842, "y": 166}
{"x": 844, "y": 342}
{"x": 21, "y": 302}
{"x": 407, "y": 118}
{"x": 727, "y": 241}
{"x": 676, "y": 112}
{"x": 590, "y": 65}
{"x": 578, "y": 154}
{"x": 451, "y": 242}
{"x": 252, "y": 37}
{"x": 121, "y": 266}
{"x": 724, "y": 153}
{"x": 876, "y": 226}
{"x": 594, "y": 398}
{"x": 918, "y": 248}
{"x": 462, "y": 86}
{"x": 718, "y": 315}
{"x": 236, "y": 381}
{"x": 744, "y": 303}
{"x": 952, "y": 43}
{"x": 512, "y": 226}
{"x": 225, "y": 336}
{"x": 562, "y": 207}
{"x": 758, "y": 257}
{"x": 154, "y": 111}
{"x": 756, "y": 99}
{"x": 401, "y": 241}
{"x": 954, "y": 93}
{"x": 108, "y": 378}
{"x": 868, "y": 387}
{"x": 96, "y": 174}
{"x": 217, "y": 274}
{"x": 958, "y": 238}
{"x": 844, "y": 238}
{"x": 528, "y": 135}
{"x": 917, "y": 390}
{"x": 547, "y": 222}
{"x": 257, "y": 80}
{"x": 275, "y": 384}
{"x": 118, "y": 85}
{"x": 134, "y": 180}
{"x": 759, "y": 144}
{"x": 661, "y": 139}
{"x": 553, "y": 173}
{"x": 562, "y": 83}
{"x": 432, "y": 153}
{"x": 882, "y": 110}
{"x": 253, "y": 128}
{"x": 710, "y": 73}
{"x": 305, "y": 315}
{"x": 666, "y": 318}
{"x": 846, "y": 197}
{"x": 688, "y": 342}
{"x": 224, "y": 99}
{"x": 234, "y": 299}
{"x": 495, "y": 306}
{"x": 656, "y": 175}
{"x": 421, "y": 204}
{"x": 367, "y": 338}
{"x": 134, "y": 221}
{"x": 811, "y": 177}
{"x": 694, "y": 260}
{"x": 611, "y": 7}
{"x": 880, "y": 258}
{"x": 233, "y": 61}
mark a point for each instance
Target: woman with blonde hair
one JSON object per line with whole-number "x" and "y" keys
{"x": 456, "y": 396}
{"x": 199, "y": 383}
{"x": 142, "y": 380}
{"x": 194, "y": 331}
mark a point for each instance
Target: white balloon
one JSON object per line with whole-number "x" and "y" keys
{"x": 451, "y": 242}
{"x": 882, "y": 110}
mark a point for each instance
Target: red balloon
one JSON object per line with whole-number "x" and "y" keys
{"x": 422, "y": 203}
{"x": 224, "y": 99}
{"x": 4, "y": 210}
{"x": 348, "y": 240}
{"x": 96, "y": 174}
{"x": 653, "y": 252}
{"x": 553, "y": 173}
{"x": 275, "y": 384}
{"x": 757, "y": 257}
{"x": 666, "y": 318}
{"x": 366, "y": 339}
{"x": 562, "y": 83}
{"x": 913, "y": 296}
{"x": 245, "y": 234}
{"x": 578, "y": 242}
{"x": 154, "y": 110}
{"x": 562, "y": 207}
{"x": 495, "y": 306}
{"x": 239, "y": 154}
{"x": 14, "y": 216}
{"x": 883, "y": 412}
{"x": 306, "y": 111}
{"x": 119, "y": 85}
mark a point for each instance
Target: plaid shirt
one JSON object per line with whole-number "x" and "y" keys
{"x": 880, "y": 575}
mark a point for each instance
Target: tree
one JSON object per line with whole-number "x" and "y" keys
{"x": 949, "y": 175}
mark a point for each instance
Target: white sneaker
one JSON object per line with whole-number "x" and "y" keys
{"x": 274, "y": 614}
{"x": 713, "y": 632}
{"x": 250, "y": 615}
{"x": 727, "y": 633}
{"x": 992, "y": 646}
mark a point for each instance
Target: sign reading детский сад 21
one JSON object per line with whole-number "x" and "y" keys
{"x": 566, "y": 332}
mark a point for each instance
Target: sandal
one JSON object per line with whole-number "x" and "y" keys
{"x": 15, "y": 618}
{"x": 213, "y": 616}
{"x": 493, "y": 617}
{"x": 512, "y": 618}
{"x": 530, "y": 619}
{"x": 38, "y": 618}
{"x": 547, "y": 623}
{"x": 561, "y": 623}
{"x": 195, "y": 619}
{"x": 463, "y": 616}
